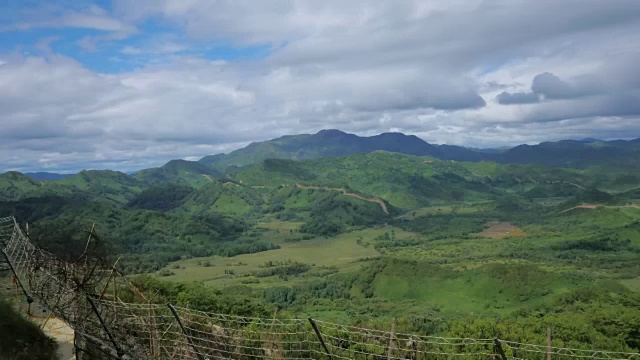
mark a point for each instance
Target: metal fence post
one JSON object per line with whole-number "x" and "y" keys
{"x": 106, "y": 328}
{"x": 315, "y": 328}
{"x": 498, "y": 347}
{"x": 175, "y": 314}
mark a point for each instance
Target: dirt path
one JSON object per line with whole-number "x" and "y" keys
{"x": 63, "y": 334}
{"x": 346, "y": 193}
{"x": 55, "y": 328}
{"x": 568, "y": 183}
{"x": 207, "y": 177}
{"x": 591, "y": 206}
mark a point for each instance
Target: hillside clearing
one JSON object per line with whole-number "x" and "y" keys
{"x": 499, "y": 230}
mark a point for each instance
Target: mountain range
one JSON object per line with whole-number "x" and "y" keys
{"x": 47, "y": 176}
{"x": 336, "y": 223}
{"x": 331, "y": 143}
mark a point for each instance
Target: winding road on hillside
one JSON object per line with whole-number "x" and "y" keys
{"x": 592, "y": 206}
{"x": 347, "y": 193}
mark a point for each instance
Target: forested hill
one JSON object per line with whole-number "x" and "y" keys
{"x": 328, "y": 143}
{"x": 366, "y": 236}
{"x": 189, "y": 208}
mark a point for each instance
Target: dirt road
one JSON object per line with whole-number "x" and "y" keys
{"x": 63, "y": 334}
{"x": 346, "y": 193}
{"x": 591, "y": 206}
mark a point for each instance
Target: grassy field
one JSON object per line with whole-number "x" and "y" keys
{"x": 498, "y": 270}
{"x": 473, "y": 290}
{"x": 325, "y": 255}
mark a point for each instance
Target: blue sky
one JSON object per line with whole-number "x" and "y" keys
{"x": 102, "y": 49}
{"x": 132, "y": 84}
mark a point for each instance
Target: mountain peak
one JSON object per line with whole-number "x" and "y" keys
{"x": 334, "y": 142}
{"x": 331, "y": 133}
{"x": 324, "y": 143}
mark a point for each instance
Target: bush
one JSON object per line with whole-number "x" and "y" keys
{"x": 166, "y": 272}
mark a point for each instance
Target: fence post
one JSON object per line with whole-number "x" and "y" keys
{"x": 549, "y": 343}
{"x": 106, "y": 328}
{"x": 175, "y": 314}
{"x": 76, "y": 348}
{"x": 393, "y": 330}
{"x": 315, "y": 328}
{"x": 498, "y": 347}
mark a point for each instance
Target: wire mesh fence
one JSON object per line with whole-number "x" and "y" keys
{"x": 108, "y": 328}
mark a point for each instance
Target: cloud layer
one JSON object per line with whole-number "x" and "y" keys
{"x": 475, "y": 73}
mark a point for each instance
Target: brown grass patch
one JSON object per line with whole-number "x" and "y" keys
{"x": 499, "y": 230}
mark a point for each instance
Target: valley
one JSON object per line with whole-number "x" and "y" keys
{"x": 364, "y": 238}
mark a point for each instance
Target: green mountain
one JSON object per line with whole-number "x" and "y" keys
{"x": 576, "y": 154}
{"x": 47, "y": 176}
{"x": 183, "y": 172}
{"x": 331, "y": 143}
{"x": 408, "y": 182}
{"x": 112, "y": 185}
{"x": 15, "y": 186}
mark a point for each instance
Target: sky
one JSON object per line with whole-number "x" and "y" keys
{"x": 127, "y": 84}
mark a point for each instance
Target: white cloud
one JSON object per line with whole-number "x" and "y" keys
{"x": 156, "y": 48}
{"x": 429, "y": 68}
{"x": 95, "y": 19}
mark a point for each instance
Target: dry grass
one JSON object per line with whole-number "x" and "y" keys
{"x": 499, "y": 230}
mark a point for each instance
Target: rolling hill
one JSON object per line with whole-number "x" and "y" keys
{"x": 182, "y": 172}
{"x": 47, "y": 176}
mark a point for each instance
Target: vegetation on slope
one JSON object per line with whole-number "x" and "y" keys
{"x": 21, "y": 339}
{"x": 286, "y": 233}
{"x": 181, "y": 172}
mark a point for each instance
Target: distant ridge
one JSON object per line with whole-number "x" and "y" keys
{"x": 328, "y": 143}
{"x": 331, "y": 143}
{"x": 47, "y": 176}
{"x": 575, "y": 153}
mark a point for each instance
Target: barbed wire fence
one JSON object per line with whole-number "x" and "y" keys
{"x": 84, "y": 294}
